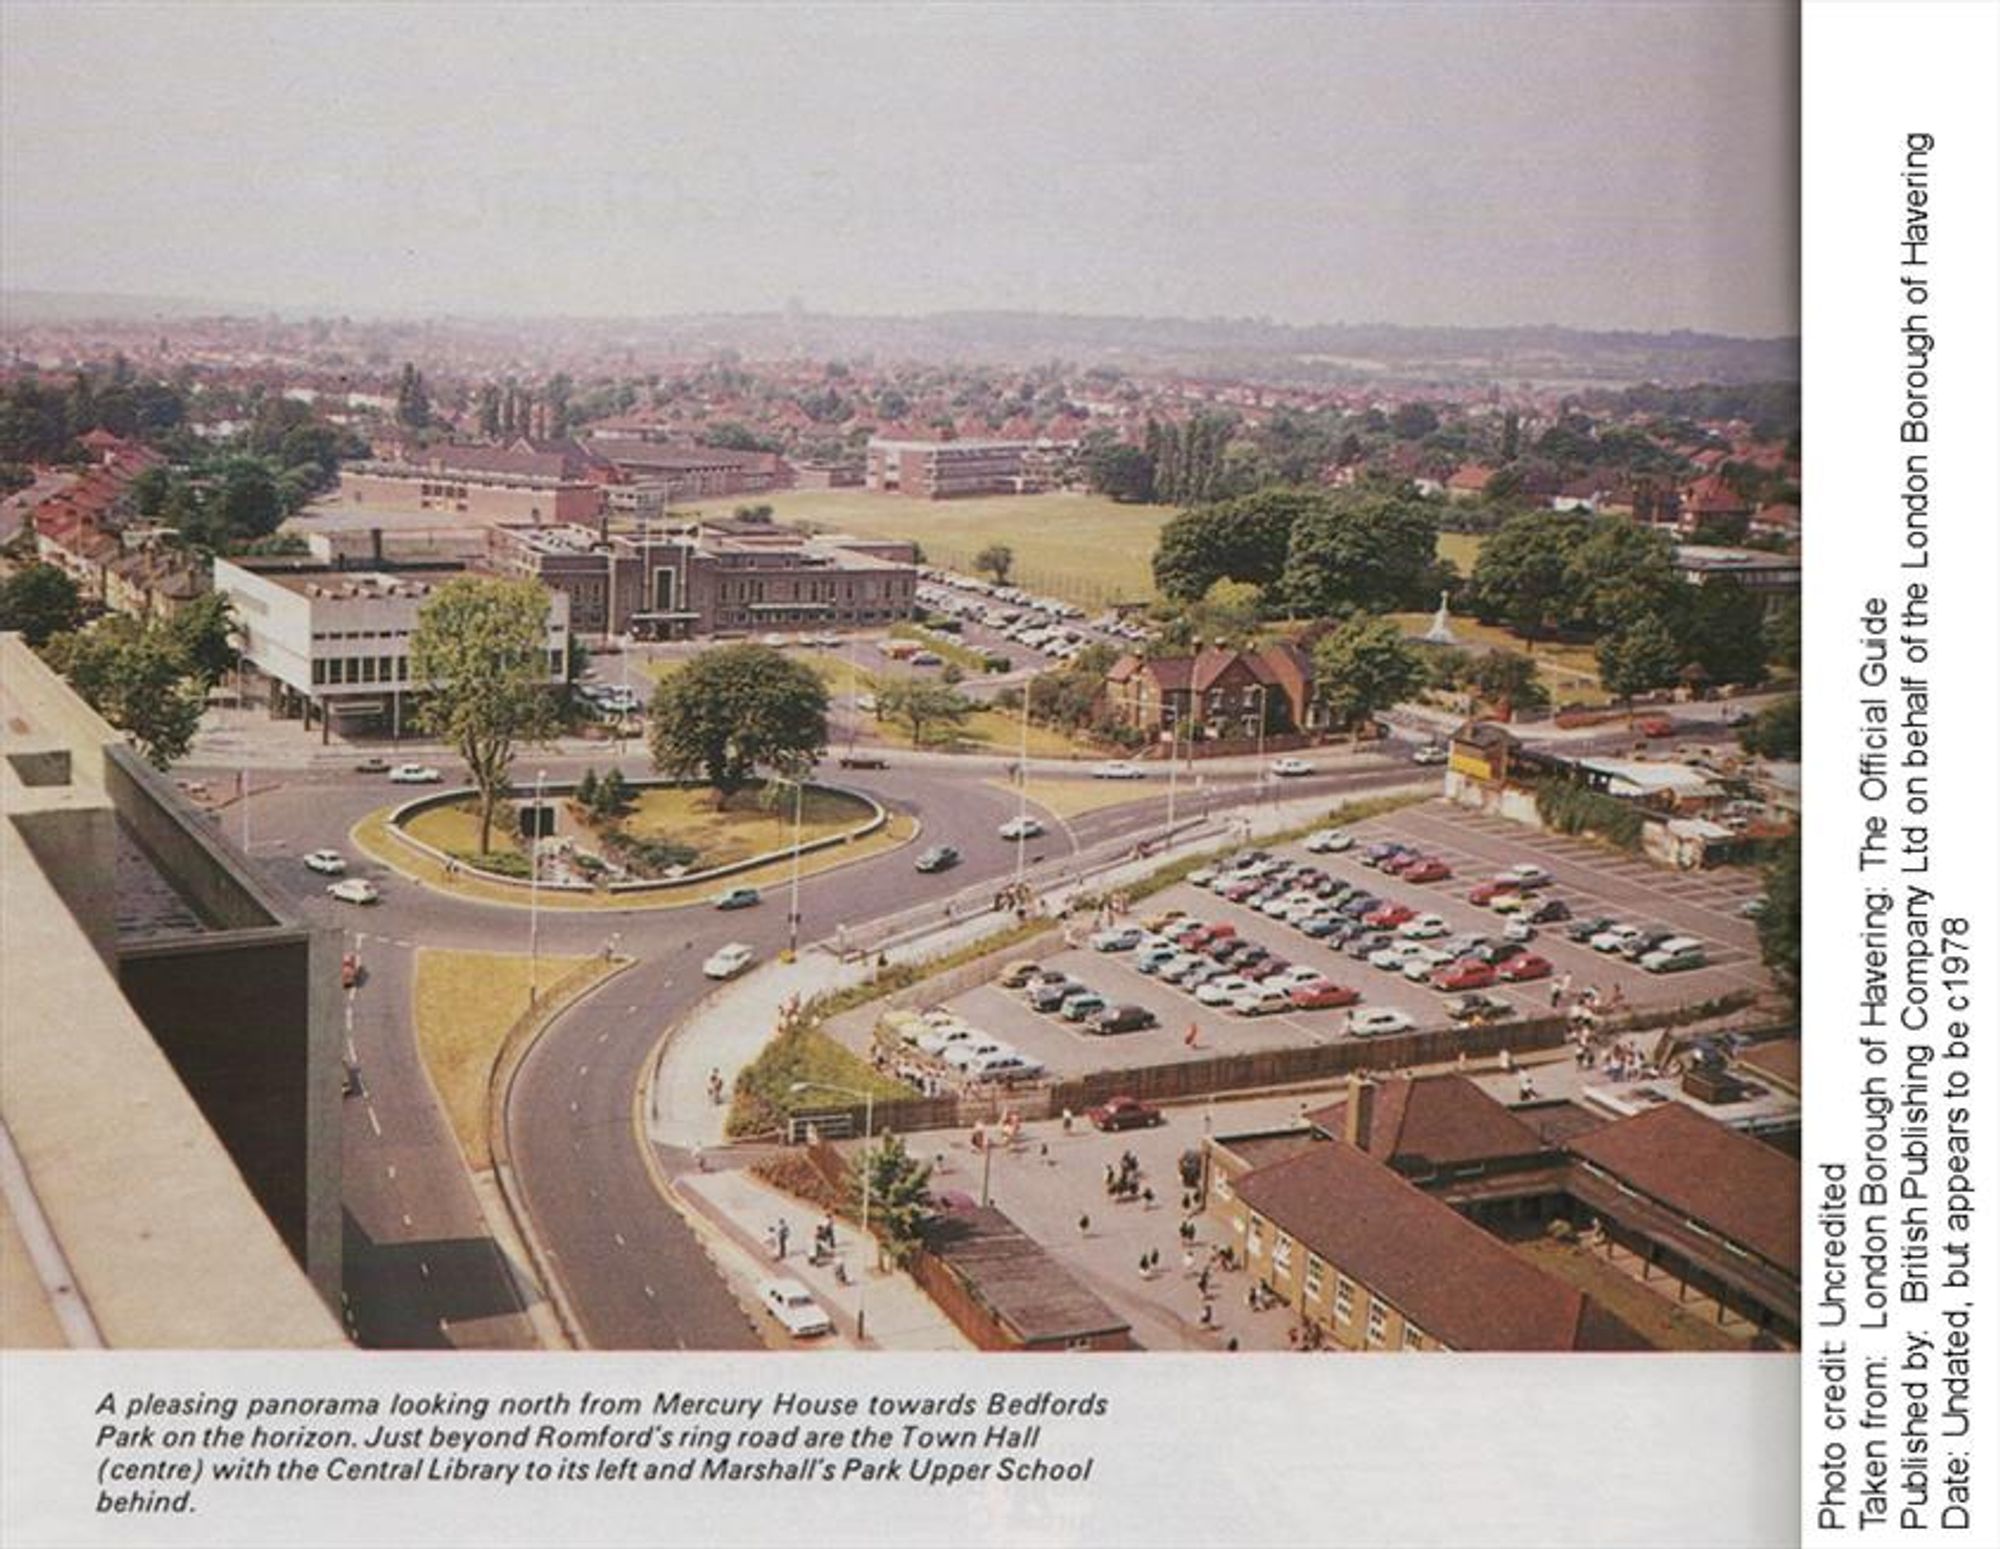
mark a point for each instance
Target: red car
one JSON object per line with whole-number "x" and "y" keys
{"x": 1389, "y": 916}
{"x": 1426, "y": 870}
{"x": 1324, "y": 993}
{"x": 1126, "y": 1113}
{"x": 1655, "y": 726}
{"x": 1401, "y": 862}
{"x": 1527, "y": 966}
{"x": 1486, "y": 892}
{"x": 1467, "y": 973}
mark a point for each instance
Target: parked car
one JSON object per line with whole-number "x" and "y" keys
{"x": 1329, "y": 840}
{"x": 1123, "y": 1019}
{"x": 942, "y": 1037}
{"x": 1150, "y": 960}
{"x": 1373, "y": 1021}
{"x": 1425, "y": 927}
{"x": 1526, "y": 874}
{"x": 1081, "y": 1008}
{"x": 1654, "y": 726}
{"x": 1673, "y": 955}
{"x": 1396, "y": 954}
{"x": 1117, "y": 769}
{"x": 1261, "y": 1000}
{"x": 963, "y": 1053}
{"x": 939, "y": 857}
{"x": 1477, "y": 1008}
{"x": 1117, "y": 1113}
{"x": 1550, "y": 911}
{"x": 1648, "y": 940}
{"x": 1223, "y": 988}
{"x": 414, "y": 774}
{"x": 729, "y": 961}
{"x": 792, "y": 1305}
{"x": 1380, "y": 851}
{"x": 328, "y": 863}
{"x": 1020, "y": 828}
{"x": 1118, "y": 938}
{"x": 1018, "y": 973}
{"x": 1518, "y": 970}
{"x": 1006, "y": 1066}
{"x": 1486, "y": 892}
{"x": 1366, "y": 944}
{"x": 1047, "y": 992}
{"x": 1589, "y": 926}
{"x": 1322, "y": 994}
{"x": 738, "y": 898}
{"x": 355, "y": 890}
{"x": 863, "y": 761}
{"x": 1431, "y": 753}
{"x": 1429, "y": 869}
{"x": 1288, "y": 767}
{"x": 1421, "y": 964}
{"x": 1513, "y": 901}
{"x": 1395, "y": 865}
{"x": 1389, "y": 916}
{"x": 1468, "y": 973}
{"x": 1615, "y": 938}
{"x": 1519, "y": 930}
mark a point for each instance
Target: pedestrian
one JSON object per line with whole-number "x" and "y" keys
{"x": 1146, "y": 1195}
{"x": 1208, "y": 1314}
{"x": 1069, "y": 1121}
{"x": 1232, "y": 1345}
{"x": 1187, "y": 1262}
{"x": 1083, "y": 1225}
{"x": 784, "y": 1238}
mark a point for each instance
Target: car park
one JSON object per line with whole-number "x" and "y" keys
{"x": 729, "y": 961}
{"x": 1023, "y": 827}
{"x": 328, "y": 863}
{"x": 1123, "y": 1019}
{"x": 1118, "y": 1113}
{"x": 793, "y": 1306}
{"x": 1375, "y": 1021}
{"x": 1518, "y": 970}
{"x": 1673, "y": 955}
{"x": 355, "y": 890}
{"x": 1291, "y": 767}
{"x": 414, "y": 774}
{"x": 738, "y": 898}
{"x": 939, "y": 857}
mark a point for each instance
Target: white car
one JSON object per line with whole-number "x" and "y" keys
{"x": 1526, "y": 874}
{"x": 968, "y": 1052}
{"x": 1519, "y": 930}
{"x": 943, "y": 1036}
{"x": 1425, "y": 927}
{"x": 1021, "y": 828}
{"x": 1673, "y": 955}
{"x": 355, "y": 890}
{"x": 1328, "y": 840}
{"x": 414, "y": 774}
{"x": 1118, "y": 938}
{"x": 328, "y": 863}
{"x": 1396, "y": 954}
{"x": 1431, "y": 753}
{"x": 1294, "y": 978}
{"x": 1118, "y": 769}
{"x": 1204, "y": 876}
{"x": 1426, "y": 961}
{"x": 727, "y": 962}
{"x": 1372, "y": 1021}
{"x": 1616, "y": 939}
{"x": 1176, "y": 969}
{"x": 1261, "y": 1000}
{"x": 1005, "y": 1066}
{"x": 1291, "y": 766}
{"x": 1222, "y": 990}
{"x": 792, "y": 1305}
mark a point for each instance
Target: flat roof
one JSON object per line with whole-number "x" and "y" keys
{"x": 379, "y": 582}
{"x": 1017, "y": 1279}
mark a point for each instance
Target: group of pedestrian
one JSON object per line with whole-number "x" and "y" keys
{"x": 1122, "y": 1179}
{"x": 716, "y": 1088}
{"x": 825, "y": 1246}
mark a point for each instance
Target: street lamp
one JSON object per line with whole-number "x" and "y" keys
{"x": 867, "y": 1181}
{"x": 798, "y": 834}
{"x": 1021, "y": 800}
{"x": 535, "y": 894}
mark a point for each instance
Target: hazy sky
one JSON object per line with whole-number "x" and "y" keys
{"x": 1595, "y": 164}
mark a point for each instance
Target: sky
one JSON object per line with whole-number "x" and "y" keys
{"x": 1594, "y": 165}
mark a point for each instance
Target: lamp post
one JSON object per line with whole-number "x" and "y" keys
{"x": 535, "y": 894}
{"x": 867, "y": 1182}
{"x": 1021, "y": 801}
{"x": 798, "y": 834}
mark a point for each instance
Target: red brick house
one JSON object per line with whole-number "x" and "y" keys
{"x": 1214, "y": 693}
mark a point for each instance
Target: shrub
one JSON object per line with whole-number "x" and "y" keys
{"x": 498, "y": 863}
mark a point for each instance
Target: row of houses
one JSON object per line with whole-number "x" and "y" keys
{"x": 86, "y": 529}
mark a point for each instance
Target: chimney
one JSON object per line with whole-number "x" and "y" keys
{"x": 1360, "y": 1109}
{"x": 375, "y": 545}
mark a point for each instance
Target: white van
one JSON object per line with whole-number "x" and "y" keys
{"x": 1674, "y": 954}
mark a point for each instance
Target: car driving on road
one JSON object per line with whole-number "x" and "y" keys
{"x": 1117, "y": 769}
{"x": 727, "y": 962}
{"x": 414, "y": 774}
{"x": 1021, "y": 828}
{"x": 738, "y": 898}
{"x": 1289, "y": 767}
{"x": 939, "y": 857}
{"x": 328, "y": 863}
{"x": 355, "y": 890}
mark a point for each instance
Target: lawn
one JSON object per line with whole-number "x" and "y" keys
{"x": 747, "y": 826}
{"x": 764, "y": 1097}
{"x": 1461, "y": 548}
{"x": 991, "y": 731}
{"x": 1655, "y": 1316}
{"x": 466, "y": 1002}
{"x": 454, "y": 829}
{"x": 1071, "y": 798}
{"x": 1568, "y": 671}
{"x": 1083, "y": 548}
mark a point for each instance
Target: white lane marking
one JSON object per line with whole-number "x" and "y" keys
{"x": 402, "y": 943}
{"x": 374, "y": 1123}
{"x": 572, "y": 1107}
{"x": 619, "y": 1238}
{"x": 651, "y": 1294}
{"x": 392, "y": 1169}
{"x": 424, "y": 1268}
{"x": 407, "y": 1221}
{"x": 601, "y": 1037}
{"x": 583, "y": 1070}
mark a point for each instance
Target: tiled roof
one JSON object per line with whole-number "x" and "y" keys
{"x": 1442, "y": 1272}
{"x": 1444, "y": 1120}
{"x": 1738, "y": 1188}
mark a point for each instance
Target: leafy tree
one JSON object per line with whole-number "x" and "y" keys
{"x": 1637, "y": 658}
{"x": 1724, "y": 633}
{"x": 897, "y": 1190}
{"x": 1619, "y": 571}
{"x": 1123, "y": 472}
{"x": 921, "y": 704}
{"x": 1508, "y": 680}
{"x": 1236, "y": 540}
{"x": 1371, "y": 551}
{"x": 1522, "y": 578}
{"x": 735, "y": 709}
{"x": 413, "y": 407}
{"x": 586, "y": 791}
{"x": 1778, "y": 927}
{"x": 39, "y": 601}
{"x": 1413, "y": 421}
{"x": 1777, "y": 732}
{"x": 1782, "y": 644}
{"x": 481, "y": 652}
{"x": 996, "y": 560}
{"x": 1364, "y": 667}
{"x": 133, "y": 675}
{"x": 203, "y": 632}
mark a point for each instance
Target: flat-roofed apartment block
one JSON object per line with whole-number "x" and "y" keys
{"x": 943, "y": 470}
{"x": 170, "y": 1172}
{"x": 335, "y": 640}
{"x": 524, "y": 482}
{"x": 714, "y": 579}
{"x": 691, "y": 472}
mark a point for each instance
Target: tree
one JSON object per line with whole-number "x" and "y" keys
{"x": 1724, "y": 633}
{"x": 920, "y": 703}
{"x": 1236, "y": 540}
{"x": 1777, "y": 732}
{"x": 735, "y": 709}
{"x": 481, "y": 653}
{"x": 413, "y": 403}
{"x": 1637, "y": 658}
{"x": 1413, "y": 421}
{"x": 1522, "y": 578}
{"x": 897, "y": 1190}
{"x": 1364, "y": 667}
{"x": 1370, "y": 551}
{"x": 996, "y": 560}
{"x": 204, "y": 632}
{"x": 1782, "y": 633}
{"x": 1125, "y": 473}
{"x": 39, "y": 601}
{"x": 1619, "y": 571}
{"x": 132, "y": 674}
{"x": 1778, "y": 926}
{"x": 1509, "y": 681}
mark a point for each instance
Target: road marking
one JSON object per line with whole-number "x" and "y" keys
{"x": 392, "y": 1169}
{"x": 424, "y": 1268}
{"x": 601, "y": 1037}
{"x": 353, "y": 1058}
{"x": 374, "y": 1123}
{"x": 401, "y": 943}
{"x": 651, "y": 1294}
{"x": 619, "y": 1238}
{"x": 630, "y": 1009}
{"x": 407, "y": 1221}
{"x": 572, "y": 1107}
{"x": 583, "y": 1070}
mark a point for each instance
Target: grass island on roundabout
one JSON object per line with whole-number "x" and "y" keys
{"x": 612, "y": 842}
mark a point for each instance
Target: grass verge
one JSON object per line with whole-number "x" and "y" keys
{"x": 467, "y": 1004}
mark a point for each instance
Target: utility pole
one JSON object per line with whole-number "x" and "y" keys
{"x": 535, "y": 895}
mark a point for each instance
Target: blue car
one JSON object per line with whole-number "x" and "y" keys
{"x": 738, "y": 898}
